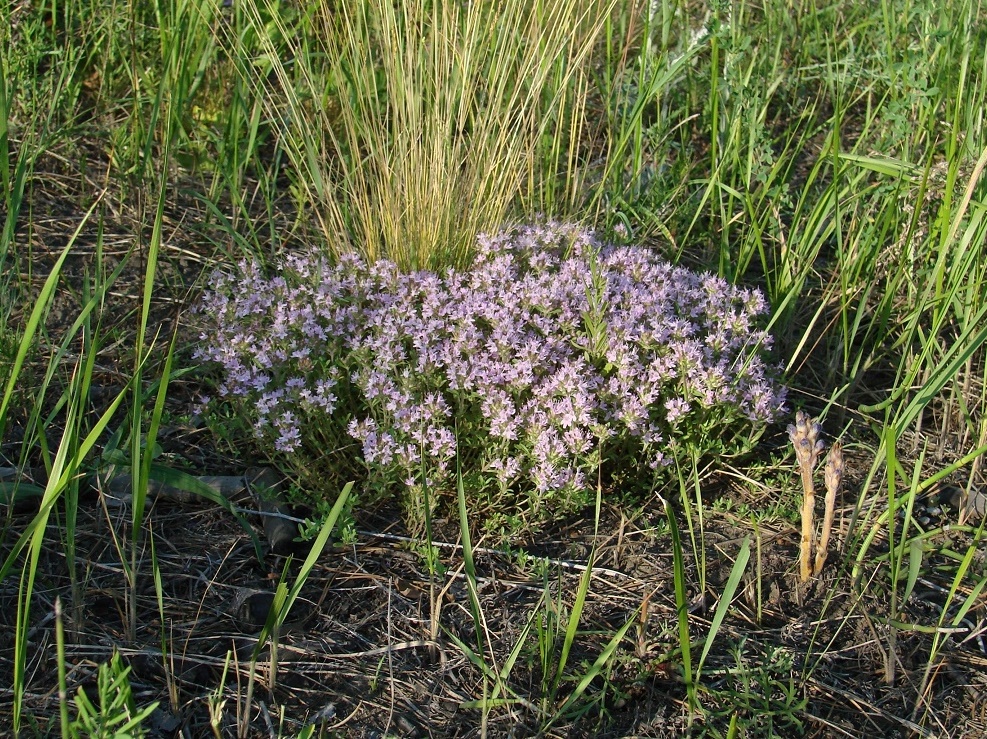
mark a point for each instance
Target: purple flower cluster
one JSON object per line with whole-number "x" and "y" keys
{"x": 550, "y": 350}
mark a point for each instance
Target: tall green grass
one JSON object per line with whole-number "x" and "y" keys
{"x": 58, "y": 426}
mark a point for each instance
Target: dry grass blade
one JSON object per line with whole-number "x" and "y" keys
{"x": 430, "y": 133}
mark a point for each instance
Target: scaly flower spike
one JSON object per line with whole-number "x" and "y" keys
{"x": 834, "y": 475}
{"x": 805, "y": 438}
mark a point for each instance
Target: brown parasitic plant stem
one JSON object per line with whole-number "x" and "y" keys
{"x": 808, "y": 525}
{"x": 805, "y": 438}
{"x": 834, "y": 474}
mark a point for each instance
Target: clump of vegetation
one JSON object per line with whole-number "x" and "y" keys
{"x": 414, "y": 126}
{"x": 831, "y": 154}
{"x": 552, "y": 353}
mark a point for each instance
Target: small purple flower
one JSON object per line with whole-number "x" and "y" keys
{"x": 676, "y": 408}
{"x": 290, "y": 434}
{"x": 550, "y": 344}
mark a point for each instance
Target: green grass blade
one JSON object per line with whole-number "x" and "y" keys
{"x": 58, "y": 481}
{"x": 41, "y": 304}
{"x": 681, "y": 604}
{"x": 318, "y": 546}
{"x": 469, "y": 566}
{"x": 139, "y": 492}
{"x": 579, "y": 604}
{"x": 597, "y": 668}
{"x": 733, "y": 582}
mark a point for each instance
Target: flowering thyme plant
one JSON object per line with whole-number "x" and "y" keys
{"x": 553, "y": 354}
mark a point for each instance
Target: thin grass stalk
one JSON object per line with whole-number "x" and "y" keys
{"x": 36, "y": 425}
{"x": 941, "y": 295}
{"x": 13, "y": 184}
{"x": 682, "y": 608}
{"x": 284, "y": 600}
{"x": 575, "y": 614}
{"x": 594, "y": 671}
{"x": 185, "y": 50}
{"x": 57, "y": 481}
{"x": 63, "y": 461}
{"x": 44, "y": 299}
{"x": 864, "y": 299}
{"x": 13, "y": 180}
{"x": 698, "y": 542}
{"x": 64, "y": 468}
{"x": 890, "y": 441}
{"x": 141, "y": 447}
{"x": 554, "y": 661}
{"x": 499, "y": 680}
{"x": 5, "y": 104}
{"x": 216, "y": 701}
{"x": 63, "y": 693}
{"x": 71, "y": 503}
{"x": 239, "y": 148}
{"x": 166, "y": 662}
{"x": 71, "y": 494}
{"x": 555, "y": 183}
{"x": 90, "y": 344}
{"x": 758, "y": 571}
{"x": 626, "y": 142}
{"x": 872, "y": 521}
{"x": 141, "y": 450}
{"x": 699, "y": 546}
{"x": 469, "y": 568}
{"x": 547, "y": 628}
{"x": 941, "y": 634}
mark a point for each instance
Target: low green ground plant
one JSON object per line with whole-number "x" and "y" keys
{"x": 114, "y": 713}
{"x": 552, "y": 357}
